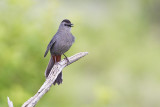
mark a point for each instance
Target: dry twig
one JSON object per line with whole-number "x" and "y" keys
{"x": 57, "y": 68}
{"x": 10, "y": 103}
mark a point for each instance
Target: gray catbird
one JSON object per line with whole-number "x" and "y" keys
{"x": 59, "y": 44}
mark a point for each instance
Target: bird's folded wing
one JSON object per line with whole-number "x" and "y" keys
{"x": 49, "y": 46}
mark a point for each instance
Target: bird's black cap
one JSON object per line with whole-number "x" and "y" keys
{"x": 66, "y": 20}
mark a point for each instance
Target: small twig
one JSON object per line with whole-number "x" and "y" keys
{"x": 57, "y": 68}
{"x": 10, "y": 103}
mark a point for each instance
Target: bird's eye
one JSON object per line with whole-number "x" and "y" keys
{"x": 65, "y": 24}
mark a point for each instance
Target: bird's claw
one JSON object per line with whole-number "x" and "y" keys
{"x": 67, "y": 61}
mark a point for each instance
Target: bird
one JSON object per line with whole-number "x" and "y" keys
{"x": 59, "y": 44}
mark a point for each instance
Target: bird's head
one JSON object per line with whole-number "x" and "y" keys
{"x": 66, "y": 25}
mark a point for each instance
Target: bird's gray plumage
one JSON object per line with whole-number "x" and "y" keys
{"x": 49, "y": 46}
{"x": 59, "y": 44}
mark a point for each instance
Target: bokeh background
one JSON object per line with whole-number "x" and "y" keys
{"x": 121, "y": 36}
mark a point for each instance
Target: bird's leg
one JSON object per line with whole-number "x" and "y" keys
{"x": 66, "y": 59}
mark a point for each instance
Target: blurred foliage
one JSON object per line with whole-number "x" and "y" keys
{"x": 122, "y": 38}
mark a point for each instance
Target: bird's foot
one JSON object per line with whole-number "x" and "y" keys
{"x": 66, "y": 59}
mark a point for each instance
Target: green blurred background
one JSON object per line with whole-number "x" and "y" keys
{"x": 121, "y": 36}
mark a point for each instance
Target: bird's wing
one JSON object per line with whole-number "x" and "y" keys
{"x": 49, "y": 46}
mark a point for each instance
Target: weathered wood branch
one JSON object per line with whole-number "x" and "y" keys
{"x": 10, "y": 103}
{"x": 57, "y": 68}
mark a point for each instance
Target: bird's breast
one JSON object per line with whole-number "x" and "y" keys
{"x": 62, "y": 44}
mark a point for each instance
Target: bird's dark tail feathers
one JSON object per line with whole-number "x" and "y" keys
{"x": 52, "y": 60}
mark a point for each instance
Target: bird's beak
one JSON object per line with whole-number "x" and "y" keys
{"x": 70, "y": 25}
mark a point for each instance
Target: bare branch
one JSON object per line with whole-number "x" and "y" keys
{"x": 10, "y": 103}
{"x": 57, "y": 68}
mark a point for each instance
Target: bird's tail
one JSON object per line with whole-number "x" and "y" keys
{"x": 49, "y": 67}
